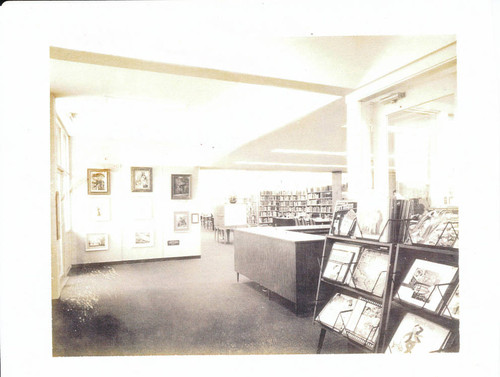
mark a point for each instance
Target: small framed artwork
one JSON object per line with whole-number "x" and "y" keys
{"x": 142, "y": 179}
{"x": 96, "y": 241}
{"x": 181, "y": 221}
{"x": 181, "y": 186}
{"x": 143, "y": 238}
{"x": 98, "y": 181}
{"x": 195, "y": 218}
{"x": 99, "y": 209}
{"x": 141, "y": 208}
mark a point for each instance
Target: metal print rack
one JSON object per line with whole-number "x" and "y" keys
{"x": 327, "y": 288}
{"x": 405, "y": 257}
{"x": 393, "y": 309}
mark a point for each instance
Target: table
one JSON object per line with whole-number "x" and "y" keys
{"x": 226, "y": 232}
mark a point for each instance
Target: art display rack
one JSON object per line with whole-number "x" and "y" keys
{"x": 327, "y": 289}
{"x": 405, "y": 255}
{"x": 401, "y": 258}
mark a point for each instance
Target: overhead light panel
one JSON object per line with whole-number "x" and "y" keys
{"x": 304, "y": 151}
{"x": 289, "y": 164}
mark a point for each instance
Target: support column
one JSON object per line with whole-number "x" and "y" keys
{"x": 336, "y": 187}
{"x": 380, "y": 144}
{"x": 358, "y": 149}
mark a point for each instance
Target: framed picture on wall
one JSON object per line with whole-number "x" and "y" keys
{"x": 142, "y": 179}
{"x": 141, "y": 208}
{"x": 96, "y": 241}
{"x": 143, "y": 238}
{"x": 98, "y": 181}
{"x": 181, "y": 221}
{"x": 195, "y": 218}
{"x": 181, "y": 186}
{"x": 99, "y": 209}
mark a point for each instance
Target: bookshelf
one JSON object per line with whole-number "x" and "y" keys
{"x": 268, "y": 207}
{"x": 320, "y": 202}
{"x": 312, "y": 203}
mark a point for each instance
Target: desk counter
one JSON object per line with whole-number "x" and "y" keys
{"x": 284, "y": 260}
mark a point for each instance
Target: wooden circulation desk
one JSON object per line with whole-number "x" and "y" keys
{"x": 284, "y": 260}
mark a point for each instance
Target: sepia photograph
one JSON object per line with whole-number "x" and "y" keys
{"x": 316, "y": 168}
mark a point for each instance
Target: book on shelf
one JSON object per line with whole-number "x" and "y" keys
{"x": 370, "y": 273}
{"x": 452, "y": 308}
{"x": 398, "y": 213}
{"x": 418, "y": 335}
{"x": 364, "y": 322}
{"x": 341, "y": 258}
{"x": 426, "y": 283}
{"x": 344, "y": 218}
{"x": 337, "y": 312}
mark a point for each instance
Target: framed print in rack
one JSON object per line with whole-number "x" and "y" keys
{"x": 96, "y": 241}
{"x": 98, "y": 181}
{"x": 142, "y": 179}
{"x": 181, "y": 221}
{"x": 181, "y": 186}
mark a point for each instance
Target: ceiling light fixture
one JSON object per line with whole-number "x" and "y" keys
{"x": 289, "y": 164}
{"x": 392, "y": 98}
{"x": 304, "y": 151}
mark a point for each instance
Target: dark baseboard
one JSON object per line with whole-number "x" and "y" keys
{"x": 79, "y": 268}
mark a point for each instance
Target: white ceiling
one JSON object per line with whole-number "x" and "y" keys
{"x": 227, "y": 100}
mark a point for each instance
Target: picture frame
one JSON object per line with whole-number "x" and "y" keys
{"x": 98, "y": 181}
{"x": 181, "y": 221}
{"x": 143, "y": 238}
{"x": 195, "y": 218}
{"x": 141, "y": 208}
{"x": 141, "y": 179}
{"x": 181, "y": 186}
{"x": 97, "y": 241}
{"x": 99, "y": 209}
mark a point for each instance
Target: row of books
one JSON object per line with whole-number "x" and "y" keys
{"x": 425, "y": 285}
{"x": 319, "y": 209}
{"x": 319, "y": 195}
{"x": 360, "y": 319}
{"x": 320, "y": 201}
{"x": 269, "y": 203}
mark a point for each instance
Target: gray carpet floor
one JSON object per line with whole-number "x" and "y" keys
{"x": 179, "y": 307}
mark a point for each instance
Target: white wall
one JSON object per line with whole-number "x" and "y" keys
{"x": 125, "y": 218}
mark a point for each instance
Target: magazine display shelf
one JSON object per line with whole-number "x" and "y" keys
{"x": 328, "y": 288}
{"x": 405, "y": 256}
{"x": 450, "y": 224}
